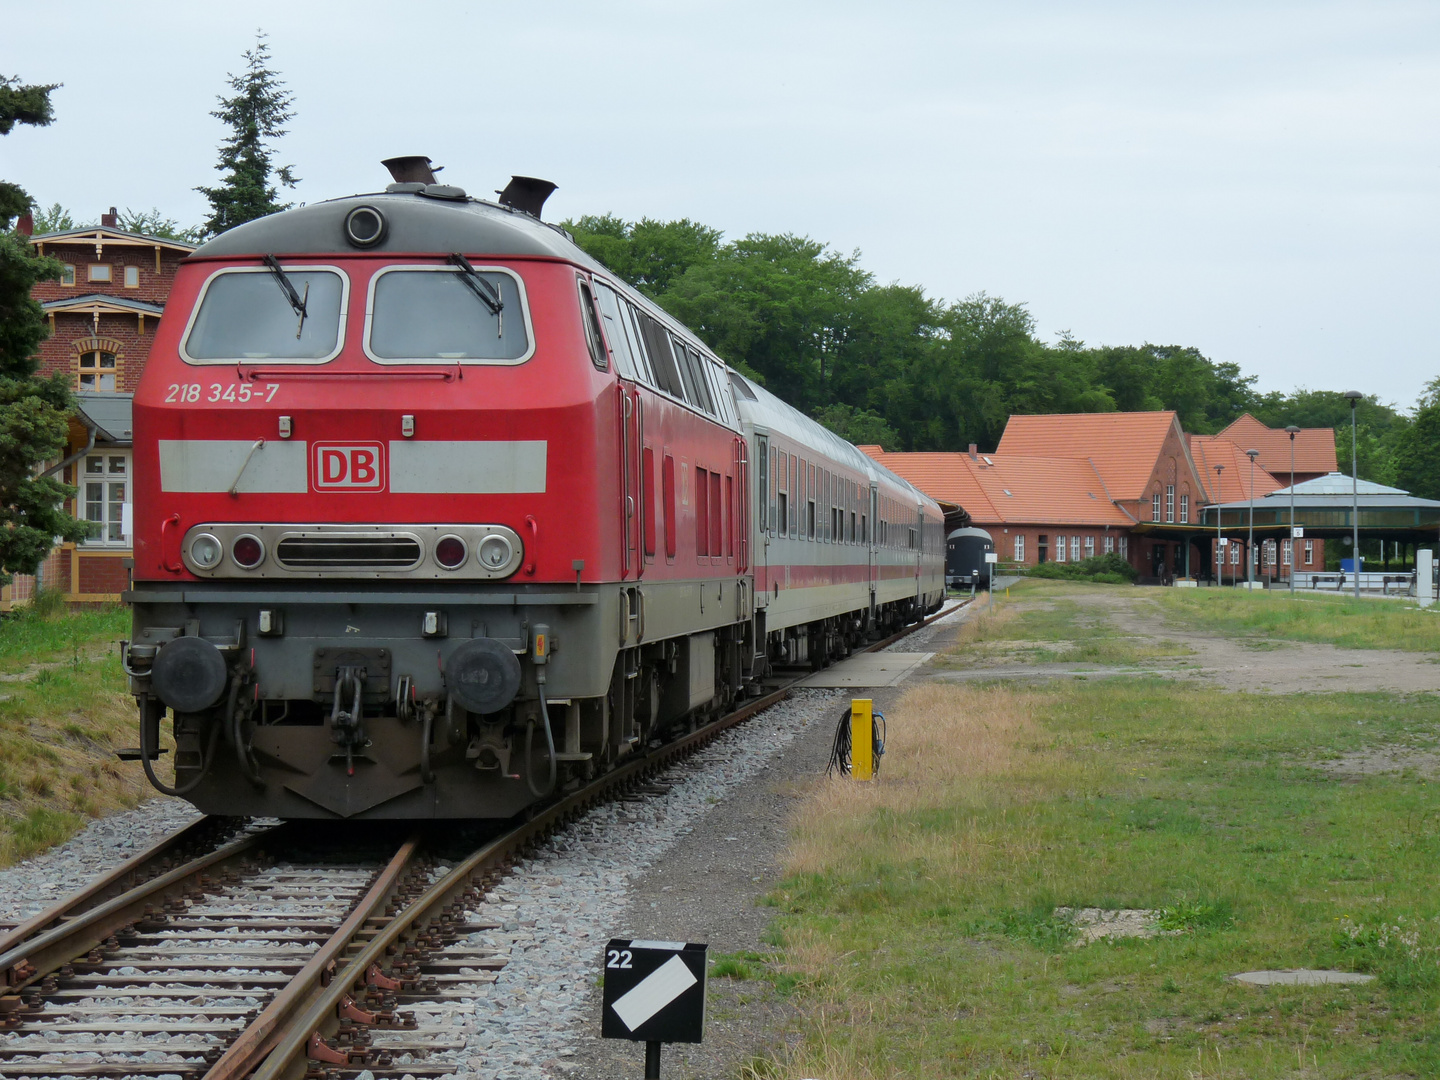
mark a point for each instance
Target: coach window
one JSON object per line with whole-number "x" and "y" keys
{"x": 794, "y": 496}
{"x": 246, "y": 314}
{"x": 614, "y": 330}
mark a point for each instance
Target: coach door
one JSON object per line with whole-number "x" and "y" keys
{"x": 633, "y": 434}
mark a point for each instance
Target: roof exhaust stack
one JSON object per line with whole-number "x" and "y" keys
{"x": 414, "y": 169}
{"x": 974, "y": 450}
{"x": 526, "y": 194}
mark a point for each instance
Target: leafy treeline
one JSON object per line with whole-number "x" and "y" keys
{"x": 888, "y": 364}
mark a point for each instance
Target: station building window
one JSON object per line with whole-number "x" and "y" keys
{"x": 67, "y": 274}
{"x": 132, "y": 277}
{"x": 1074, "y": 549}
{"x": 1184, "y": 509}
{"x": 1019, "y": 547}
{"x": 105, "y": 495}
{"x": 97, "y": 370}
{"x": 1309, "y": 552}
{"x": 1089, "y": 547}
{"x": 100, "y": 272}
{"x": 1125, "y": 547}
{"x": 1170, "y": 504}
{"x": 1060, "y": 549}
{"x": 1287, "y": 552}
{"x": 1155, "y": 506}
{"x": 1109, "y": 544}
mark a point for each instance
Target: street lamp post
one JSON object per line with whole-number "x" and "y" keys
{"x": 1292, "y": 430}
{"x": 1354, "y": 396}
{"x": 1219, "y": 547}
{"x": 1250, "y": 541}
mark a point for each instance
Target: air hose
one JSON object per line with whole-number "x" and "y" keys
{"x": 549, "y": 743}
{"x": 146, "y": 749}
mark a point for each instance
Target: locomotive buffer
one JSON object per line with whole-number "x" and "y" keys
{"x": 654, "y": 993}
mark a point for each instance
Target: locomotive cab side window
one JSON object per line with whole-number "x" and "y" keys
{"x": 615, "y": 330}
{"x": 593, "y": 338}
{"x": 447, "y": 314}
{"x": 247, "y": 313}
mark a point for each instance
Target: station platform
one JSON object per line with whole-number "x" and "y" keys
{"x": 869, "y": 669}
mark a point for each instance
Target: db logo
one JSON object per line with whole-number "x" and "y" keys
{"x": 338, "y": 466}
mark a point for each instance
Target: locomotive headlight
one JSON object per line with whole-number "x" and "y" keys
{"x": 205, "y": 551}
{"x": 495, "y": 552}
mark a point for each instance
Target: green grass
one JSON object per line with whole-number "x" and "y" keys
{"x": 28, "y": 636}
{"x": 1053, "y": 627}
{"x": 63, "y": 711}
{"x": 919, "y": 916}
{"x": 1336, "y": 620}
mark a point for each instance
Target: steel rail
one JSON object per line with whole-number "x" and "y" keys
{"x": 261, "y": 1036}
{"x": 49, "y": 950}
{"x": 119, "y": 878}
{"x": 286, "y": 1058}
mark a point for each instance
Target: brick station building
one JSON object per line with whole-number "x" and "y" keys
{"x": 102, "y": 316}
{"x": 1061, "y": 488}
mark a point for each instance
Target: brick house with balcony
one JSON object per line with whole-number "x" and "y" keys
{"x": 102, "y": 315}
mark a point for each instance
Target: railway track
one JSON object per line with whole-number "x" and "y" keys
{"x": 239, "y": 949}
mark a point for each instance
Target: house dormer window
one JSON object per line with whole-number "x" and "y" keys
{"x": 100, "y": 272}
{"x": 67, "y": 274}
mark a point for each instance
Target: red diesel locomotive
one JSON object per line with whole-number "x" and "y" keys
{"x": 435, "y": 517}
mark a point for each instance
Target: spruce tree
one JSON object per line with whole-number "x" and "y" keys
{"x": 34, "y": 412}
{"x": 256, "y": 116}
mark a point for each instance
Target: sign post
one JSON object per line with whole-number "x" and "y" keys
{"x": 991, "y": 558}
{"x": 654, "y": 993}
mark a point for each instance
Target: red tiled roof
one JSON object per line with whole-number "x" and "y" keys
{"x": 1233, "y": 484}
{"x": 1124, "y": 446}
{"x": 1010, "y": 489}
{"x": 1314, "y": 447}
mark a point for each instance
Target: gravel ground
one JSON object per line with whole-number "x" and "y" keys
{"x": 29, "y": 887}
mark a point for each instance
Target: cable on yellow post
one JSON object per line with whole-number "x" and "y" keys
{"x": 862, "y": 739}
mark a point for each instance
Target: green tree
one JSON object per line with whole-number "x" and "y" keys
{"x": 34, "y": 412}
{"x": 256, "y": 116}
{"x": 57, "y": 219}
{"x": 1417, "y": 450}
{"x": 859, "y": 426}
{"x": 650, "y": 255}
{"x": 153, "y": 223}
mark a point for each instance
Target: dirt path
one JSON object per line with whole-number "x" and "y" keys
{"x": 1257, "y": 665}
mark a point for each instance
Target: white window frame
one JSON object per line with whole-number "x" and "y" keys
{"x": 1074, "y": 549}
{"x": 1020, "y": 547}
{"x": 1309, "y": 552}
{"x": 1089, "y": 547}
{"x": 112, "y": 532}
{"x": 1109, "y": 544}
{"x": 1170, "y": 504}
{"x": 1184, "y": 509}
{"x": 1060, "y": 548}
{"x": 1155, "y": 506}
{"x": 1125, "y": 548}
{"x": 1234, "y": 553}
{"x": 1287, "y": 552}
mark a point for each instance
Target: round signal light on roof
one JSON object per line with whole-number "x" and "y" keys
{"x": 450, "y": 552}
{"x": 365, "y": 226}
{"x": 247, "y": 551}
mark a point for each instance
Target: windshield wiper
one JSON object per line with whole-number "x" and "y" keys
{"x": 483, "y": 288}
{"x": 297, "y": 302}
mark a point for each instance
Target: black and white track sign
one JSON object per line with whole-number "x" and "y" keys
{"x": 654, "y": 991}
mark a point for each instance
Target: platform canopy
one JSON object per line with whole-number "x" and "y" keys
{"x": 1323, "y": 507}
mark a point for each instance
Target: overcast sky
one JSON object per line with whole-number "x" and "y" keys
{"x": 1256, "y": 179}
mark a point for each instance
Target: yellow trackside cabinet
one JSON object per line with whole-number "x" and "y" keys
{"x": 862, "y": 744}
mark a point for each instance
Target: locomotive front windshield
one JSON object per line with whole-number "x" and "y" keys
{"x": 425, "y": 314}
{"x": 247, "y": 315}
